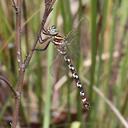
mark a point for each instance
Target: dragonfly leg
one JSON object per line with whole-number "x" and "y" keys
{"x": 41, "y": 41}
{"x": 42, "y": 49}
{"x": 45, "y": 32}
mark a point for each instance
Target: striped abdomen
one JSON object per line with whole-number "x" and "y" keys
{"x": 77, "y": 80}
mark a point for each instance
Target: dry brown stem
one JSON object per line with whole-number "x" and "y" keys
{"x": 23, "y": 64}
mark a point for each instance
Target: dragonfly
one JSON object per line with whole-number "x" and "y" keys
{"x": 60, "y": 42}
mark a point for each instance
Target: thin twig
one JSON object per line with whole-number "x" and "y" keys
{"x": 26, "y": 26}
{"x": 14, "y": 5}
{"x": 111, "y": 106}
{"x": 48, "y": 9}
{"x": 8, "y": 85}
{"x": 19, "y": 85}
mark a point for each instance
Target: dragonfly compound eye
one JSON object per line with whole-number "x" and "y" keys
{"x": 53, "y": 31}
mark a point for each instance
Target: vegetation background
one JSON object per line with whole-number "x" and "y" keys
{"x": 50, "y": 98}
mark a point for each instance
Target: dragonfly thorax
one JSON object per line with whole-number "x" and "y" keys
{"x": 58, "y": 40}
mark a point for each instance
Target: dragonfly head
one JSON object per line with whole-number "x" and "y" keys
{"x": 53, "y": 30}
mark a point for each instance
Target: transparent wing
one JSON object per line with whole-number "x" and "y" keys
{"x": 58, "y": 67}
{"x": 75, "y": 33}
{"x": 74, "y": 40}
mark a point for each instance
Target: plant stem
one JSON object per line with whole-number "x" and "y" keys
{"x": 19, "y": 85}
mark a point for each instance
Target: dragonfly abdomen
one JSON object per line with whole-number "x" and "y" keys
{"x": 77, "y": 80}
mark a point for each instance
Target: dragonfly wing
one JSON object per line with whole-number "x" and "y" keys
{"x": 58, "y": 68}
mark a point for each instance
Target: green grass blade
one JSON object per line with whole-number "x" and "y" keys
{"x": 66, "y": 15}
{"x": 47, "y": 108}
{"x": 67, "y": 27}
{"x": 48, "y": 90}
{"x": 93, "y": 45}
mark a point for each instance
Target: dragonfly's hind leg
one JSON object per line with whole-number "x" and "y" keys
{"x": 41, "y": 41}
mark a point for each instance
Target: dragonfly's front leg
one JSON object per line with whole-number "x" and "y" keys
{"x": 42, "y": 49}
{"x": 46, "y": 32}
